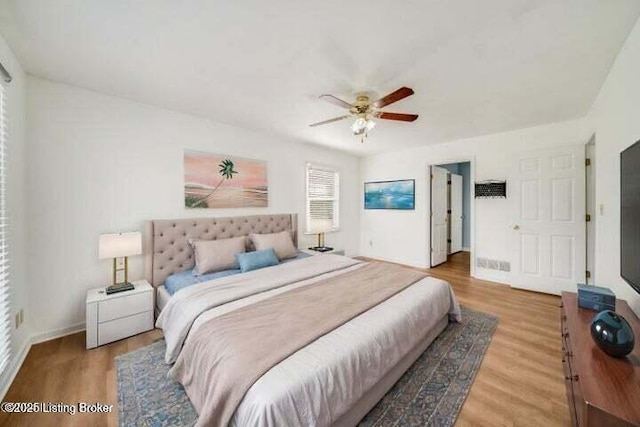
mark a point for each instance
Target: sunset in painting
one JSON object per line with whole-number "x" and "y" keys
{"x": 220, "y": 181}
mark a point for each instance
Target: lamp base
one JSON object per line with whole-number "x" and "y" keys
{"x": 120, "y": 287}
{"x": 321, "y": 248}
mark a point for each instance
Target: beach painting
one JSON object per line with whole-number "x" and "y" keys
{"x": 217, "y": 181}
{"x": 390, "y": 194}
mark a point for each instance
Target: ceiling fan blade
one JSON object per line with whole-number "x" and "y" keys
{"x": 336, "y": 101}
{"x": 396, "y": 96}
{"x": 397, "y": 116}
{"x": 324, "y": 122}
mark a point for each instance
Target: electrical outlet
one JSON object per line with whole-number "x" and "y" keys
{"x": 371, "y": 243}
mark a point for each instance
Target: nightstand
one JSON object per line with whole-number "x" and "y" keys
{"x": 120, "y": 315}
{"x": 333, "y": 252}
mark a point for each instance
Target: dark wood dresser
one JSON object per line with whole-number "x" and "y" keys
{"x": 602, "y": 391}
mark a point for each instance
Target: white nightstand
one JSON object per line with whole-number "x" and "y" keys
{"x": 120, "y": 315}
{"x": 334, "y": 252}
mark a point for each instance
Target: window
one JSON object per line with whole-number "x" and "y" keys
{"x": 323, "y": 197}
{"x": 5, "y": 314}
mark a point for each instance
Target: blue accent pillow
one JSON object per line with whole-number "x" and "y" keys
{"x": 257, "y": 259}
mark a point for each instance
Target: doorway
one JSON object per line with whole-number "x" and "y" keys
{"x": 450, "y": 212}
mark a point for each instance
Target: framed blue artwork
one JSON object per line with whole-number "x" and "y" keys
{"x": 400, "y": 194}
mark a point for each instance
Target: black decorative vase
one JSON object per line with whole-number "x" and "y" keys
{"x": 612, "y": 333}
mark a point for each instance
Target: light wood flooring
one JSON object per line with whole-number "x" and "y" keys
{"x": 520, "y": 382}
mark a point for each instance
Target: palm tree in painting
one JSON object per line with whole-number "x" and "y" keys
{"x": 226, "y": 172}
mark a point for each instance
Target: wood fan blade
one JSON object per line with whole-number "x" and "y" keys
{"x": 336, "y": 101}
{"x": 396, "y": 96}
{"x": 397, "y": 116}
{"x": 336, "y": 119}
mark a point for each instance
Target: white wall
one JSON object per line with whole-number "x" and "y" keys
{"x": 615, "y": 119}
{"x": 403, "y": 236}
{"x": 16, "y": 207}
{"x": 100, "y": 164}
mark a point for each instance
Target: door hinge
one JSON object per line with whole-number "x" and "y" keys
{"x": 587, "y": 162}
{"x": 588, "y": 274}
{"x": 588, "y": 217}
{"x": 448, "y": 240}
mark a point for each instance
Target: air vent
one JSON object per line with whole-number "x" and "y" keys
{"x": 493, "y": 264}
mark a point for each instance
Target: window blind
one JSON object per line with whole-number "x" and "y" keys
{"x": 323, "y": 194}
{"x": 5, "y": 310}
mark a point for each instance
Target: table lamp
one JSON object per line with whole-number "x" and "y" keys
{"x": 117, "y": 246}
{"x": 319, "y": 227}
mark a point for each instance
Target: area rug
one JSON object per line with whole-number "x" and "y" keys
{"x": 430, "y": 393}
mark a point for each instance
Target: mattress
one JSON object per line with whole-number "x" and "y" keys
{"x": 162, "y": 297}
{"x": 321, "y": 383}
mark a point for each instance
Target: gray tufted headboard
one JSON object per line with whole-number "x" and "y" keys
{"x": 170, "y": 252}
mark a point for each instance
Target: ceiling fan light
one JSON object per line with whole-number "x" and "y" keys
{"x": 359, "y": 126}
{"x": 370, "y": 125}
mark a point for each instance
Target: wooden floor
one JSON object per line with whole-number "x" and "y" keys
{"x": 520, "y": 382}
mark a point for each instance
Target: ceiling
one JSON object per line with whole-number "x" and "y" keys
{"x": 477, "y": 67}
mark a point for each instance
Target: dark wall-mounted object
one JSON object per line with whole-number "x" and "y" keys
{"x": 629, "y": 211}
{"x": 491, "y": 190}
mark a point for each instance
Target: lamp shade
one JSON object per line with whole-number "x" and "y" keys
{"x": 119, "y": 245}
{"x": 320, "y": 225}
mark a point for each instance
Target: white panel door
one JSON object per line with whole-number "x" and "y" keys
{"x": 548, "y": 188}
{"x": 456, "y": 213}
{"x": 439, "y": 221}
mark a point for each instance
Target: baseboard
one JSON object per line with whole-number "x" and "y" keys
{"x": 14, "y": 367}
{"x": 491, "y": 278}
{"x": 57, "y": 333}
{"x": 466, "y": 249}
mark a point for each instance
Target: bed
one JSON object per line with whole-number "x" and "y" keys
{"x": 337, "y": 377}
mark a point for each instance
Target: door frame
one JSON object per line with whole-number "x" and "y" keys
{"x": 472, "y": 206}
{"x": 591, "y": 209}
{"x": 456, "y": 177}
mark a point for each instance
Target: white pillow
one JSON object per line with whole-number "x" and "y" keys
{"x": 216, "y": 255}
{"x": 280, "y": 242}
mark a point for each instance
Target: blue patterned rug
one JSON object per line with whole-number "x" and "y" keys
{"x": 430, "y": 393}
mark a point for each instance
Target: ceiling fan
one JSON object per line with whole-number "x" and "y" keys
{"x": 364, "y": 110}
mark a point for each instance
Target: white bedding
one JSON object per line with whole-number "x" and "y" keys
{"x": 320, "y": 382}
{"x": 162, "y": 297}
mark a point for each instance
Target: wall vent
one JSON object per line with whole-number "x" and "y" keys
{"x": 493, "y": 264}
